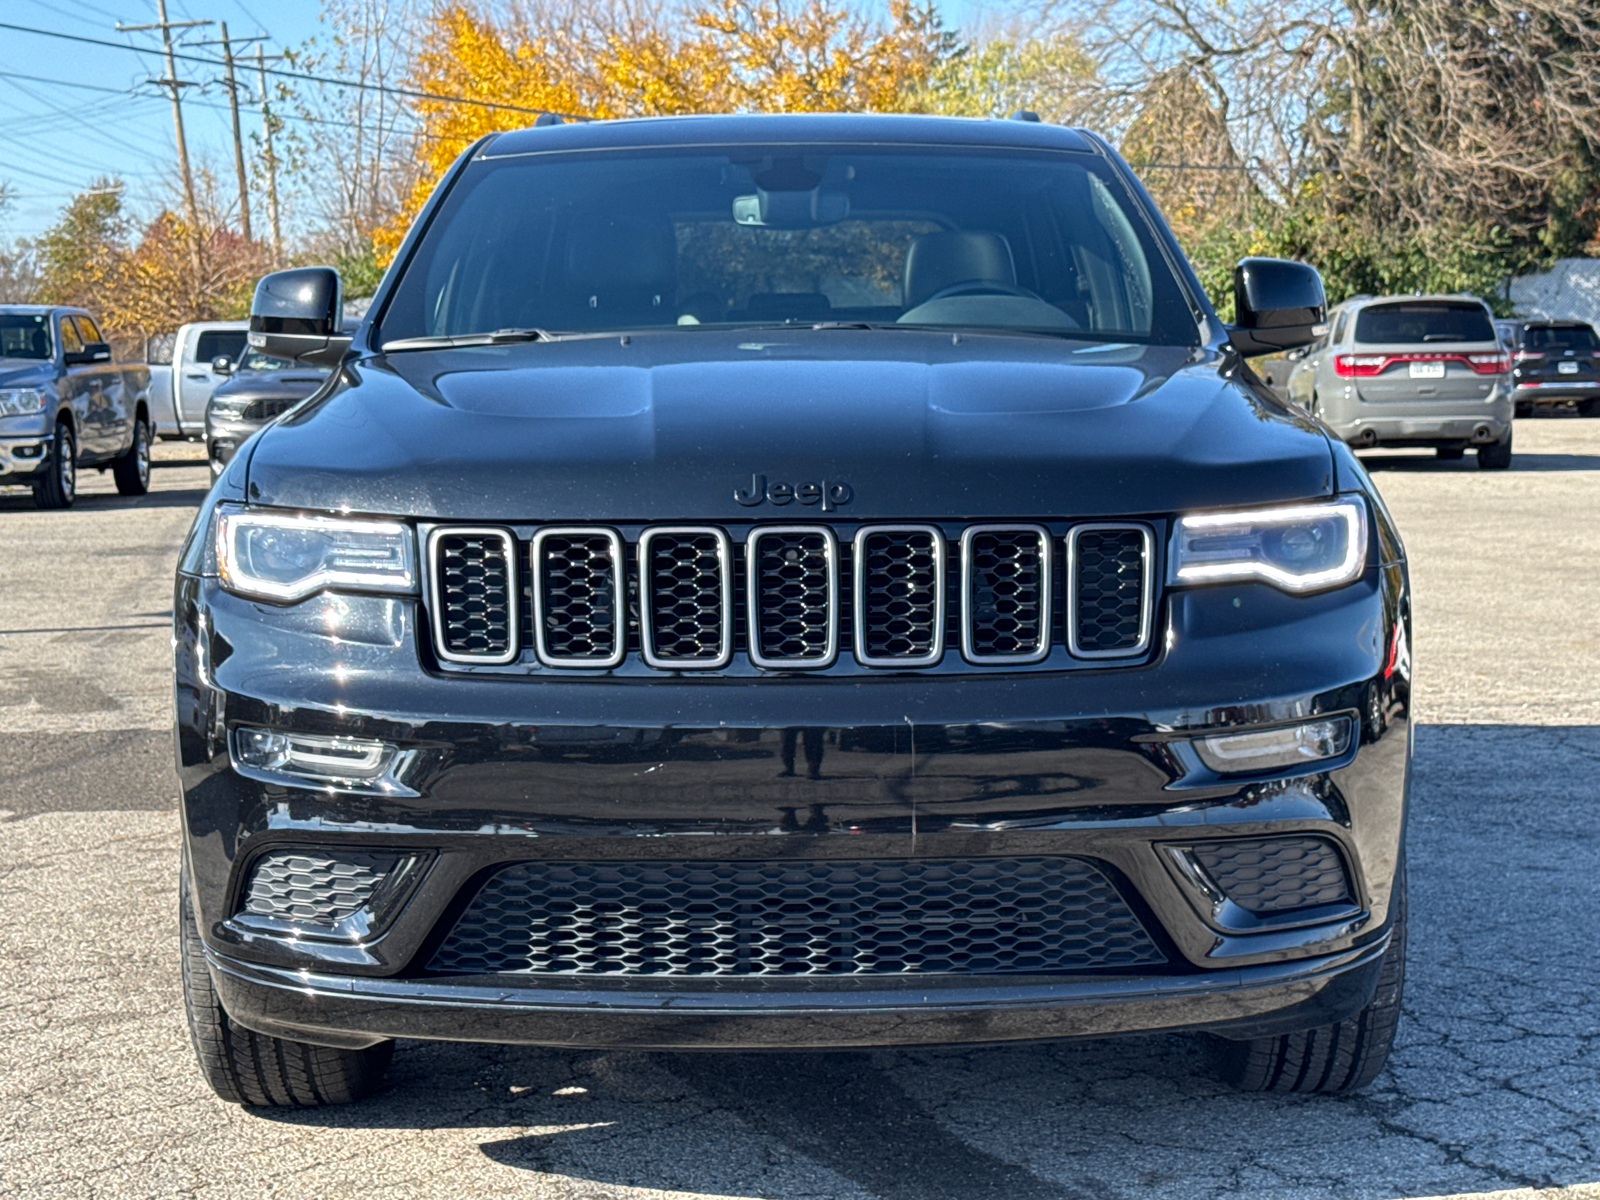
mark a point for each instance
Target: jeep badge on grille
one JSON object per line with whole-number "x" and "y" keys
{"x": 830, "y": 495}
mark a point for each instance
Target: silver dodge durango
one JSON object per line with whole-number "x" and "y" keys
{"x": 1411, "y": 371}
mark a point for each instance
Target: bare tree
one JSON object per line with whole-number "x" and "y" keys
{"x": 352, "y": 154}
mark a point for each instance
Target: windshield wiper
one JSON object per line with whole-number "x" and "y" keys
{"x": 500, "y": 337}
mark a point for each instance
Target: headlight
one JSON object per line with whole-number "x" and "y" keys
{"x": 21, "y": 402}
{"x": 1302, "y": 548}
{"x": 280, "y": 556}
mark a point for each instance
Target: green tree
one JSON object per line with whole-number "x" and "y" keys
{"x": 79, "y": 256}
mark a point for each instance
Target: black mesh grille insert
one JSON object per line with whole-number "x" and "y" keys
{"x": 899, "y": 580}
{"x": 313, "y": 887}
{"x": 576, "y": 577}
{"x": 475, "y": 594}
{"x": 1268, "y": 875}
{"x": 1108, "y": 590}
{"x": 792, "y": 611}
{"x": 1007, "y": 606}
{"x": 914, "y": 916}
{"x": 686, "y": 601}
{"x": 267, "y": 409}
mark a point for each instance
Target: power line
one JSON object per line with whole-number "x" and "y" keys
{"x": 438, "y": 97}
{"x": 87, "y": 87}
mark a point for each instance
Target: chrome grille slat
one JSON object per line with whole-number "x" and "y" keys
{"x": 473, "y": 590}
{"x": 793, "y": 582}
{"x": 579, "y": 599}
{"x": 1006, "y": 593}
{"x": 686, "y": 597}
{"x": 1110, "y": 584}
{"x": 898, "y": 593}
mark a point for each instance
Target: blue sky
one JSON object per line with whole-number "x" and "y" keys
{"x": 61, "y": 136}
{"x": 67, "y": 131}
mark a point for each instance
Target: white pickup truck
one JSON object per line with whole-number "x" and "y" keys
{"x": 182, "y": 374}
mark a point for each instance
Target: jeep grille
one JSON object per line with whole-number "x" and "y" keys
{"x": 789, "y": 597}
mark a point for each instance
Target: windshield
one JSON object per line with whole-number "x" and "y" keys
{"x": 751, "y": 235}
{"x": 1560, "y": 337}
{"x": 24, "y": 335}
{"x": 1424, "y": 321}
{"x": 254, "y": 360}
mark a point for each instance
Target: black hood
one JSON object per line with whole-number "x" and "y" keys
{"x": 672, "y": 425}
{"x": 294, "y": 383}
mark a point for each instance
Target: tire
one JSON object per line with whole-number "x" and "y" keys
{"x": 254, "y": 1069}
{"x": 132, "y": 470}
{"x": 1589, "y": 408}
{"x": 1333, "y": 1058}
{"x": 59, "y": 487}
{"x": 1451, "y": 453}
{"x": 1523, "y": 408}
{"x": 1497, "y": 456}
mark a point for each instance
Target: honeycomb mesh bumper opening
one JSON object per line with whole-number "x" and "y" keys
{"x": 308, "y": 887}
{"x": 801, "y": 918}
{"x": 1270, "y": 876}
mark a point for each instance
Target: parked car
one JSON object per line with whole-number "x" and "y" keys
{"x": 65, "y": 404}
{"x": 790, "y": 581}
{"x": 184, "y": 372}
{"x": 259, "y": 390}
{"x": 1555, "y": 364}
{"x": 1424, "y": 371}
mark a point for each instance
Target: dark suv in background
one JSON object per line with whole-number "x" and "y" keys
{"x": 259, "y": 389}
{"x": 1555, "y": 364}
{"x": 791, "y": 581}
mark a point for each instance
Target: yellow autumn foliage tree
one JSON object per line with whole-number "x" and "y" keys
{"x": 721, "y": 56}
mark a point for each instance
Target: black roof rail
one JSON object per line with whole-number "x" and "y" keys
{"x": 1025, "y": 114}
{"x": 548, "y": 119}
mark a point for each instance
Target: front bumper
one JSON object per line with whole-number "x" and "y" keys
{"x": 911, "y": 766}
{"x": 1244, "y": 1002}
{"x": 24, "y": 458}
{"x": 224, "y": 436}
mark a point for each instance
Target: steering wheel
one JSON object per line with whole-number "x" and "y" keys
{"x": 983, "y": 287}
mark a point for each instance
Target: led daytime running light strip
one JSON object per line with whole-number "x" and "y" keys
{"x": 1350, "y": 511}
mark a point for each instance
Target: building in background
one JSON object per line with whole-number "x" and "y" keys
{"x": 1570, "y": 290}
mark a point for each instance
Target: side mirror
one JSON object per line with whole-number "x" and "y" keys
{"x": 222, "y": 365}
{"x": 1278, "y": 305}
{"x": 92, "y": 352}
{"x": 299, "y": 314}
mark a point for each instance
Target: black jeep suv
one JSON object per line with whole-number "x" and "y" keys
{"x": 790, "y": 581}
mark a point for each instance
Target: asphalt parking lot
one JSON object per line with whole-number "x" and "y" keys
{"x": 1494, "y": 1086}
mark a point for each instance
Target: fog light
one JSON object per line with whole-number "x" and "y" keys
{"x": 34, "y": 451}
{"x": 310, "y": 757}
{"x": 1274, "y": 749}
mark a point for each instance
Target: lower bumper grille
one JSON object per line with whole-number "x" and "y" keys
{"x": 820, "y": 918}
{"x": 1273, "y": 875}
{"x": 312, "y": 888}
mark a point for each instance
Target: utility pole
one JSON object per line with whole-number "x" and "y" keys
{"x": 238, "y": 139}
{"x": 172, "y": 83}
{"x": 271, "y": 161}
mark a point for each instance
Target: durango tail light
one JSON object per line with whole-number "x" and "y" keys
{"x": 1350, "y": 365}
{"x": 1361, "y": 365}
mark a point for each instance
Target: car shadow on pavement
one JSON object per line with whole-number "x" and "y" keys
{"x": 167, "y": 498}
{"x": 1427, "y": 461}
{"x": 1494, "y": 1083}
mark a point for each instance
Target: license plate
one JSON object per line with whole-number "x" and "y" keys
{"x": 1427, "y": 370}
{"x": 1567, "y": 368}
